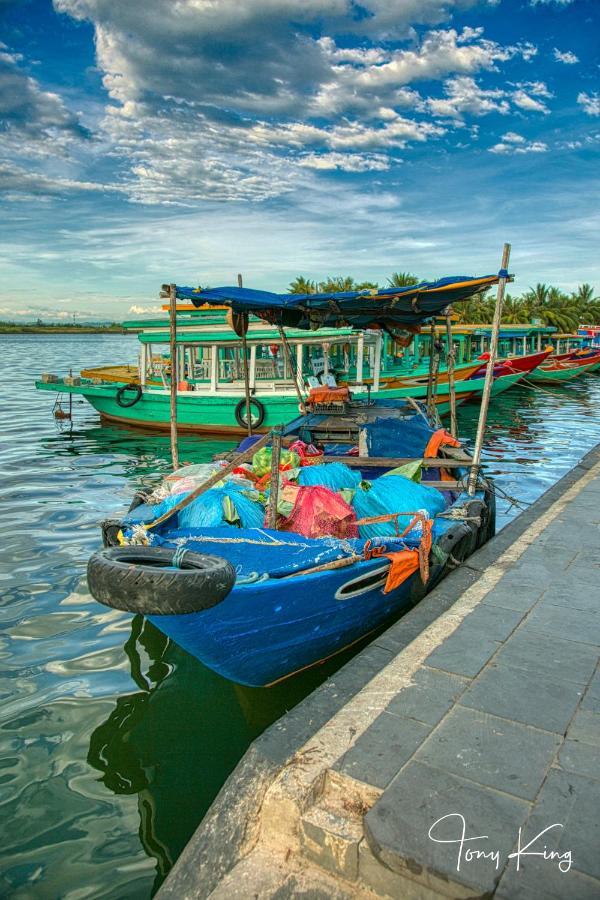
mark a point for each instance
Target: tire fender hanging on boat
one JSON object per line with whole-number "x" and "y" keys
{"x": 120, "y": 396}
{"x": 240, "y": 413}
{"x": 157, "y": 580}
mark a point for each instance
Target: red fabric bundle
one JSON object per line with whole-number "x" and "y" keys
{"x": 318, "y": 512}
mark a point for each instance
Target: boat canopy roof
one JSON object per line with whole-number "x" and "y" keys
{"x": 394, "y": 307}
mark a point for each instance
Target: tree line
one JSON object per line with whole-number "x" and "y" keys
{"x": 544, "y": 302}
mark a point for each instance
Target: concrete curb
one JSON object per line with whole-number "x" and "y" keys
{"x": 231, "y": 827}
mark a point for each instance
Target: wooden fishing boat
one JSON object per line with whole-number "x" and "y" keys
{"x": 210, "y": 364}
{"x": 587, "y": 354}
{"x": 257, "y": 604}
{"x": 312, "y": 536}
{"x": 554, "y": 370}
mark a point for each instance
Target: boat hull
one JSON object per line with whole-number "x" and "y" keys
{"x": 215, "y": 414}
{"x": 305, "y": 620}
{"x": 563, "y": 372}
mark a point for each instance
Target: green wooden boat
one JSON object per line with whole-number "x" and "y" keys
{"x": 560, "y": 371}
{"x": 210, "y": 367}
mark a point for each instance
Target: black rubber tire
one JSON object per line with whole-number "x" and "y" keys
{"x": 240, "y": 413}
{"x": 135, "y": 579}
{"x": 129, "y": 387}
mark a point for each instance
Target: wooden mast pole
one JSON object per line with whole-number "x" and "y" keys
{"x": 274, "y": 487}
{"x": 174, "y": 372}
{"x": 429, "y": 400}
{"x": 294, "y": 373}
{"x": 450, "y": 366}
{"x": 243, "y": 329}
{"x": 489, "y": 372}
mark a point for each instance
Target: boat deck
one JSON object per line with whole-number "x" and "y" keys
{"x": 483, "y": 702}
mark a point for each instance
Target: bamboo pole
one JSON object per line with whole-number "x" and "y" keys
{"x": 173, "y": 352}
{"x": 238, "y": 459}
{"x": 429, "y": 400}
{"x": 292, "y": 368}
{"x": 450, "y": 367}
{"x": 274, "y": 488}
{"x": 246, "y": 371}
{"x": 489, "y": 372}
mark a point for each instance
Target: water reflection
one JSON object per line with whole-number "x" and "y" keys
{"x": 174, "y": 741}
{"x": 113, "y": 742}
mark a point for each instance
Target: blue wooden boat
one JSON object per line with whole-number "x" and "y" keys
{"x": 260, "y": 581}
{"x": 292, "y": 601}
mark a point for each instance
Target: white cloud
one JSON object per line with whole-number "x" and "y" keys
{"x": 464, "y": 95}
{"x": 525, "y": 101}
{"x": 567, "y": 57}
{"x": 590, "y": 103}
{"x": 138, "y": 310}
{"x": 346, "y": 162}
{"x": 260, "y": 96}
{"x": 550, "y": 2}
{"x": 513, "y": 143}
{"x": 17, "y": 183}
{"x": 34, "y": 120}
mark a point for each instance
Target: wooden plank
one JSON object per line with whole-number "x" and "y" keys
{"x": 392, "y": 462}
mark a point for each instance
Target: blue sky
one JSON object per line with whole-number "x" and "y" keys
{"x": 151, "y": 140}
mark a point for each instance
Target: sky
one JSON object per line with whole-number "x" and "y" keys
{"x": 151, "y": 141}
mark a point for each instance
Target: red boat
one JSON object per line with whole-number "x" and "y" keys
{"x": 511, "y": 365}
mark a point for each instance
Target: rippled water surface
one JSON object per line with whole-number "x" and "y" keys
{"x": 113, "y": 742}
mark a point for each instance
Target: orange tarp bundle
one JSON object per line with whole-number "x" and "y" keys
{"x": 328, "y": 395}
{"x": 404, "y": 563}
{"x": 439, "y": 438}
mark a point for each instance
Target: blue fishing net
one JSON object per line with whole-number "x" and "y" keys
{"x": 393, "y": 494}
{"x": 230, "y": 503}
{"x": 335, "y": 476}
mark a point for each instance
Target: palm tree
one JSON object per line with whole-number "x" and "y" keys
{"x": 302, "y": 285}
{"x": 538, "y": 295}
{"x": 402, "y": 279}
{"x": 514, "y": 311}
{"x": 338, "y": 283}
{"x": 585, "y": 294}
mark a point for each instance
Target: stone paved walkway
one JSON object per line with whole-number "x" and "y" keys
{"x": 501, "y": 727}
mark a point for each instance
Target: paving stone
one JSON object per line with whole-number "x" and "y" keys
{"x": 571, "y": 624}
{"x": 548, "y": 554}
{"x": 587, "y": 558}
{"x": 383, "y": 749}
{"x": 541, "y": 879}
{"x": 495, "y": 752}
{"x": 581, "y": 758}
{"x": 525, "y": 696}
{"x": 569, "y": 533}
{"x": 429, "y": 697}
{"x": 592, "y": 695}
{"x": 465, "y": 652}
{"x": 539, "y": 652}
{"x": 572, "y": 801}
{"x": 514, "y": 595}
{"x": 494, "y": 622}
{"x": 585, "y": 727}
{"x": 398, "y": 827}
{"x": 563, "y": 594}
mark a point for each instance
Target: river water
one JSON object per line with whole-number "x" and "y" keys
{"x": 113, "y": 742}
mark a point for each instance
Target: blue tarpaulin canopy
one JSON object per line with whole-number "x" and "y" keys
{"x": 405, "y": 307}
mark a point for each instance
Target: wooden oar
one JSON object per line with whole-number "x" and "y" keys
{"x": 214, "y": 479}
